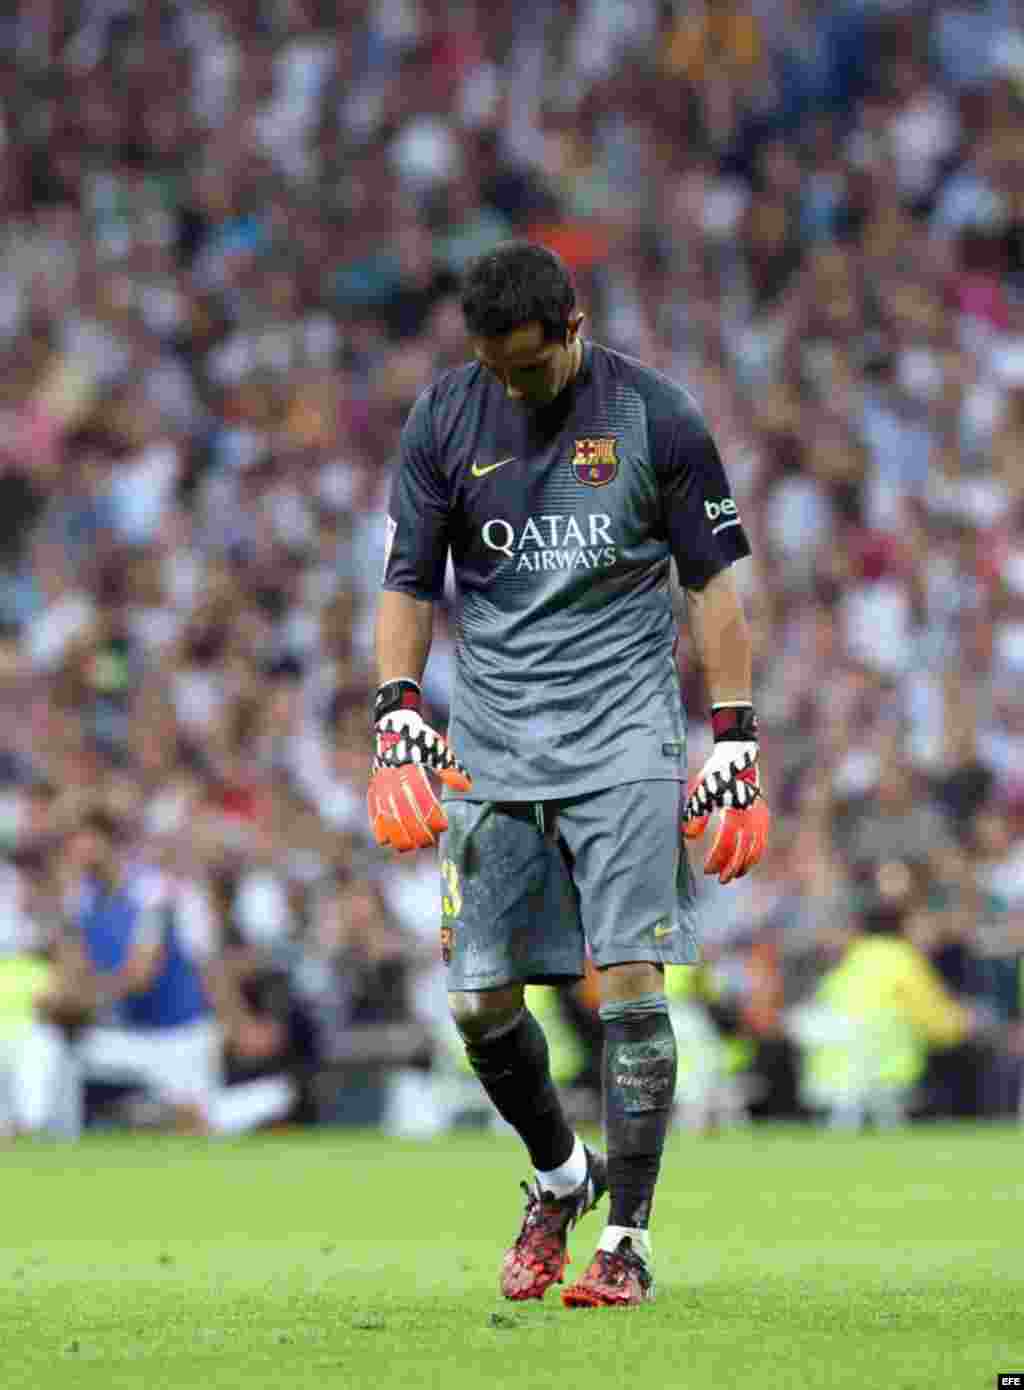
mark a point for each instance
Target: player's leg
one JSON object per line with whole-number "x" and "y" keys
{"x": 510, "y": 917}
{"x": 639, "y": 1083}
{"x": 508, "y": 1052}
{"x": 499, "y": 888}
{"x": 631, "y": 871}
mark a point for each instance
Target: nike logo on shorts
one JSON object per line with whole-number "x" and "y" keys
{"x": 479, "y": 472}
{"x": 664, "y": 929}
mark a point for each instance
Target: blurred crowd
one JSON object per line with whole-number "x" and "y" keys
{"x": 231, "y": 240}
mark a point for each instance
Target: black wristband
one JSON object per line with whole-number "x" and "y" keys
{"x": 734, "y": 723}
{"x": 394, "y": 695}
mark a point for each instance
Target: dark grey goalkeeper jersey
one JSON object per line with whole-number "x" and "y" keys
{"x": 561, "y": 525}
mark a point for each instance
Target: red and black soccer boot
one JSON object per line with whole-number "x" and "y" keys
{"x": 616, "y": 1278}
{"x": 540, "y": 1254}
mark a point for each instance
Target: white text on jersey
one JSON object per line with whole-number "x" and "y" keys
{"x": 554, "y": 541}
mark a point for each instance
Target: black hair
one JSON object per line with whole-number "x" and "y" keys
{"x": 515, "y": 283}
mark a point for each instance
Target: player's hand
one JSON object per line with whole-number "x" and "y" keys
{"x": 728, "y": 787}
{"x": 404, "y": 811}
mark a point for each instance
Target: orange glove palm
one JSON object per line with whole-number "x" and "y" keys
{"x": 403, "y": 808}
{"x": 404, "y": 811}
{"x": 740, "y": 837}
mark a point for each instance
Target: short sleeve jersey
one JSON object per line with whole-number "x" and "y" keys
{"x": 561, "y": 524}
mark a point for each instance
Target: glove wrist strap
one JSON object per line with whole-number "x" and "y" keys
{"x": 734, "y": 723}
{"x": 396, "y": 695}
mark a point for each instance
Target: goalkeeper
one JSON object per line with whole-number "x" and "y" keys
{"x": 563, "y": 478}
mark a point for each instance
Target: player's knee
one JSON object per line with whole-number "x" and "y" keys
{"x": 480, "y": 1014}
{"x": 630, "y": 980}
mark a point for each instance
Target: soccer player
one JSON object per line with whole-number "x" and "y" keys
{"x": 563, "y": 478}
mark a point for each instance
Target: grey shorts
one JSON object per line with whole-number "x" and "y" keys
{"x": 521, "y": 903}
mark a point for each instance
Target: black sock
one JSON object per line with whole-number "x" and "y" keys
{"x": 639, "y": 1091}
{"x": 514, "y": 1071}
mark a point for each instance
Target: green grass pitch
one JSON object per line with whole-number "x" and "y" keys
{"x": 785, "y": 1260}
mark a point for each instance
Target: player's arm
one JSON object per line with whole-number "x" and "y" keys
{"x": 729, "y": 781}
{"x": 403, "y": 808}
{"x": 706, "y": 537}
{"x": 721, "y": 637}
{"x": 405, "y": 626}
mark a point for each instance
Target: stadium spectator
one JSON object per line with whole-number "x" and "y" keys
{"x": 355, "y": 977}
{"x": 876, "y": 1011}
{"x": 125, "y": 985}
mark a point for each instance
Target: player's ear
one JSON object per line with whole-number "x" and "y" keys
{"x": 573, "y": 328}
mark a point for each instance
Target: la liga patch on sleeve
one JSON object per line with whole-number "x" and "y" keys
{"x": 390, "y": 527}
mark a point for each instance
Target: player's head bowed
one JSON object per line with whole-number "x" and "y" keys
{"x": 519, "y": 304}
{"x": 516, "y": 283}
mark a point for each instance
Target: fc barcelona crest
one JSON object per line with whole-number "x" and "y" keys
{"x": 595, "y": 462}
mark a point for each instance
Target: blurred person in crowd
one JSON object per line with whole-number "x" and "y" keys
{"x": 952, "y": 925}
{"x": 67, "y": 611}
{"x": 227, "y": 1069}
{"x": 126, "y": 986}
{"x": 963, "y": 35}
{"x": 512, "y": 189}
{"x": 757, "y": 964}
{"x": 466, "y": 228}
{"x": 922, "y": 132}
{"x": 963, "y": 781}
{"x": 1002, "y": 741}
{"x": 711, "y": 1086}
{"x": 270, "y": 1050}
{"x": 812, "y": 887}
{"x": 1009, "y": 442}
{"x": 420, "y": 280}
{"x": 898, "y": 819}
{"x": 19, "y": 704}
{"x": 355, "y": 974}
{"x": 333, "y": 773}
{"x": 877, "y": 1011}
{"x": 30, "y": 1048}
{"x": 1000, "y": 948}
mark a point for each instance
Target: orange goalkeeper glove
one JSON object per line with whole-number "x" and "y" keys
{"x": 729, "y": 786}
{"x": 403, "y": 808}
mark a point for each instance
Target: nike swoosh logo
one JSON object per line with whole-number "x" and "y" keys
{"x": 479, "y": 472}
{"x": 660, "y": 932}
